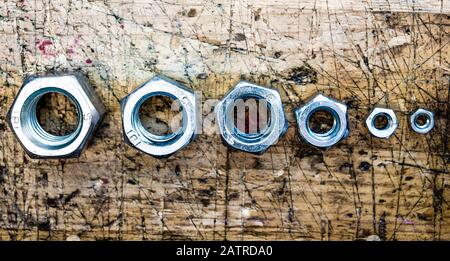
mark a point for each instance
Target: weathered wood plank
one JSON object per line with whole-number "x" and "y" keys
{"x": 392, "y": 53}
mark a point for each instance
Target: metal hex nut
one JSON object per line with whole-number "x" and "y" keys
{"x": 137, "y": 136}
{"x": 256, "y": 143}
{"x": 427, "y": 126}
{"x": 34, "y": 139}
{"x": 339, "y": 130}
{"x": 389, "y": 129}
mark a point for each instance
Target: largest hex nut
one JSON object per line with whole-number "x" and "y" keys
{"x": 338, "y": 131}
{"x": 258, "y": 142}
{"x": 35, "y": 140}
{"x": 159, "y": 146}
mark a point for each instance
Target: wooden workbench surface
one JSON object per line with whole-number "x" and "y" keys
{"x": 393, "y": 53}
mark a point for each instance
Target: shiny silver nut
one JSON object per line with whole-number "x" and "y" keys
{"x": 419, "y": 127}
{"x": 135, "y": 133}
{"x": 35, "y": 140}
{"x": 251, "y": 97}
{"x": 391, "y": 122}
{"x": 338, "y": 131}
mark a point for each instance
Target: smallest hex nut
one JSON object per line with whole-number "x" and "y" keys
{"x": 419, "y": 127}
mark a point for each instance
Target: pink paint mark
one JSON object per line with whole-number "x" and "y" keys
{"x": 105, "y": 180}
{"x": 408, "y": 222}
{"x": 21, "y": 4}
{"x": 405, "y": 221}
{"x": 73, "y": 46}
{"x": 77, "y": 39}
{"x": 88, "y": 61}
{"x": 42, "y": 46}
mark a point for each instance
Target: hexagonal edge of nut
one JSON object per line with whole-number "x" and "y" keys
{"x": 124, "y": 135}
{"x": 154, "y": 80}
{"x": 172, "y": 82}
{"x": 131, "y": 145}
{"x": 388, "y": 111}
{"x": 219, "y": 106}
{"x": 378, "y": 110}
{"x": 94, "y": 100}
{"x": 418, "y": 111}
{"x": 423, "y": 111}
{"x": 28, "y": 152}
{"x": 93, "y": 96}
{"x": 318, "y": 98}
{"x": 97, "y": 105}
{"x": 321, "y": 97}
{"x": 264, "y": 147}
{"x": 242, "y": 84}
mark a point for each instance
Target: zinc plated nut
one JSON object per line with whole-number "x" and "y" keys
{"x": 256, "y": 143}
{"x": 159, "y": 146}
{"x": 35, "y": 140}
{"x": 427, "y": 126}
{"x": 339, "y": 130}
{"x": 389, "y": 129}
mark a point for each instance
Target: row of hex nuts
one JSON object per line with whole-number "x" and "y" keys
{"x": 40, "y": 144}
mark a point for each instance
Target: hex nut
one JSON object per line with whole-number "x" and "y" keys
{"x": 259, "y": 142}
{"x": 34, "y": 139}
{"x": 339, "y": 130}
{"x": 424, "y": 128}
{"x": 389, "y": 129}
{"x": 159, "y": 146}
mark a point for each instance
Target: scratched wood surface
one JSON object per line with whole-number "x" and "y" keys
{"x": 393, "y": 53}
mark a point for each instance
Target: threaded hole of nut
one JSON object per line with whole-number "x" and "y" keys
{"x": 422, "y": 120}
{"x": 321, "y": 121}
{"x": 382, "y": 121}
{"x": 161, "y": 115}
{"x": 251, "y": 115}
{"x": 57, "y": 114}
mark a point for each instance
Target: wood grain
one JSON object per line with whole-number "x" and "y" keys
{"x": 392, "y": 53}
